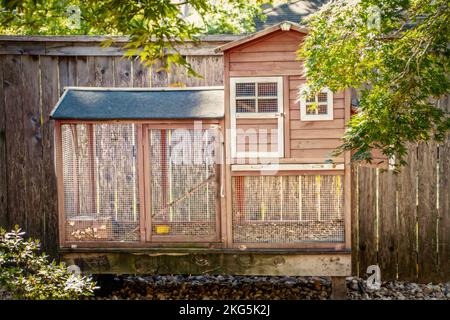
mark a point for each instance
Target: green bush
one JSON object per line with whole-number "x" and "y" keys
{"x": 26, "y": 274}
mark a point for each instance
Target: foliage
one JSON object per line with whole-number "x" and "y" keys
{"x": 28, "y": 275}
{"x": 155, "y": 27}
{"x": 396, "y": 53}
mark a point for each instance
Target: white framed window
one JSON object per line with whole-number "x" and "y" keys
{"x": 257, "y": 99}
{"x": 318, "y": 107}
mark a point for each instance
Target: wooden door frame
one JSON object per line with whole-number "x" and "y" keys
{"x": 147, "y": 213}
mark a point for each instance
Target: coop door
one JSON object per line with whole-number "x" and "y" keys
{"x": 256, "y": 108}
{"x": 183, "y": 184}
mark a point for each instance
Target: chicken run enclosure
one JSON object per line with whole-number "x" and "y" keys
{"x": 236, "y": 179}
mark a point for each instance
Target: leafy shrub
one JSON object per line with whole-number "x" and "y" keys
{"x": 26, "y": 274}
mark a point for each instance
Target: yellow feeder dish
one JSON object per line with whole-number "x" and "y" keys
{"x": 162, "y": 229}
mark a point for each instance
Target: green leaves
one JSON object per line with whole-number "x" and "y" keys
{"x": 399, "y": 66}
{"x": 25, "y": 274}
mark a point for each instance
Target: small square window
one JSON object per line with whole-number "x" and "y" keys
{"x": 268, "y": 89}
{"x": 322, "y": 97}
{"x": 267, "y": 105}
{"x": 317, "y": 107}
{"x": 245, "y": 90}
{"x": 246, "y": 105}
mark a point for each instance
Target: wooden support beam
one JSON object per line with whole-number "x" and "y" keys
{"x": 338, "y": 288}
{"x": 278, "y": 263}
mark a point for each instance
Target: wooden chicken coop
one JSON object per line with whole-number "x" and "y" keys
{"x": 236, "y": 179}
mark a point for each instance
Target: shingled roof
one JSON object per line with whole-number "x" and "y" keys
{"x": 294, "y": 10}
{"x": 139, "y": 104}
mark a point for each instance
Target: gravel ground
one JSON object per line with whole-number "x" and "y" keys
{"x": 255, "y": 288}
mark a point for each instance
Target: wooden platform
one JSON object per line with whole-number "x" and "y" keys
{"x": 210, "y": 261}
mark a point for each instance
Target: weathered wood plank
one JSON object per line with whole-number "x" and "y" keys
{"x": 141, "y": 75}
{"x": 269, "y": 47}
{"x": 3, "y": 164}
{"x": 185, "y": 262}
{"x": 67, "y": 72}
{"x": 49, "y": 88}
{"x": 85, "y": 70}
{"x": 273, "y": 66}
{"x": 262, "y": 56}
{"x": 178, "y": 77}
{"x": 214, "y": 71}
{"x": 104, "y": 72}
{"x": 312, "y": 153}
{"x": 122, "y": 72}
{"x": 444, "y": 202}
{"x": 315, "y": 144}
{"x": 388, "y": 241}
{"x": 367, "y": 219}
{"x": 199, "y": 66}
{"x": 32, "y": 122}
{"x": 159, "y": 77}
{"x": 266, "y": 73}
{"x": 317, "y": 134}
{"x": 355, "y": 219}
{"x": 15, "y": 147}
{"x": 331, "y": 124}
{"x": 427, "y": 213}
{"x": 407, "y": 212}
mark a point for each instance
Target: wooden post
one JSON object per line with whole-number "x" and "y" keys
{"x": 338, "y": 288}
{"x": 92, "y": 177}
{"x": 164, "y": 171}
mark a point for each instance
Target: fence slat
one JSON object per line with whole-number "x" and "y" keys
{"x": 15, "y": 148}
{"x": 103, "y": 72}
{"x": 85, "y": 68}
{"x": 367, "y": 218}
{"x": 444, "y": 203}
{"x": 33, "y": 160}
{"x": 141, "y": 75}
{"x": 198, "y": 64}
{"x": 49, "y": 89}
{"x": 407, "y": 211}
{"x": 355, "y": 219}
{"x": 427, "y": 213}
{"x": 67, "y": 72}
{"x": 3, "y": 164}
{"x": 178, "y": 77}
{"x": 388, "y": 241}
{"x": 214, "y": 71}
{"x": 122, "y": 72}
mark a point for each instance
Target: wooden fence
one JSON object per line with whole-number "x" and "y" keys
{"x": 400, "y": 222}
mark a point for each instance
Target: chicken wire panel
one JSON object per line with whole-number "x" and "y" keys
{"x": 268, "y": 89}
{"x": 183, "y": 182}
{"x": 245, "y": 89}
{"x": 287, "y": 209}
{"x": 101, "y": 201}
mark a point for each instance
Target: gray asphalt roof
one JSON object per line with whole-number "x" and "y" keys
{"x": 293, "y": 10}
{"x": 140, "y": 104}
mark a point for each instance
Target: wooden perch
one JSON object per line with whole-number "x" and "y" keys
{"x": 187, "y": 194}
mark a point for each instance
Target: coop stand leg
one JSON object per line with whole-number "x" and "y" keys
{"x": 338, "y": 288}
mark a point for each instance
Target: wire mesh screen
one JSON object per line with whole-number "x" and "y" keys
{"x": 183, "y": 182}
{"x": 101, "y": 201}
{"x": 287, "y": 209}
